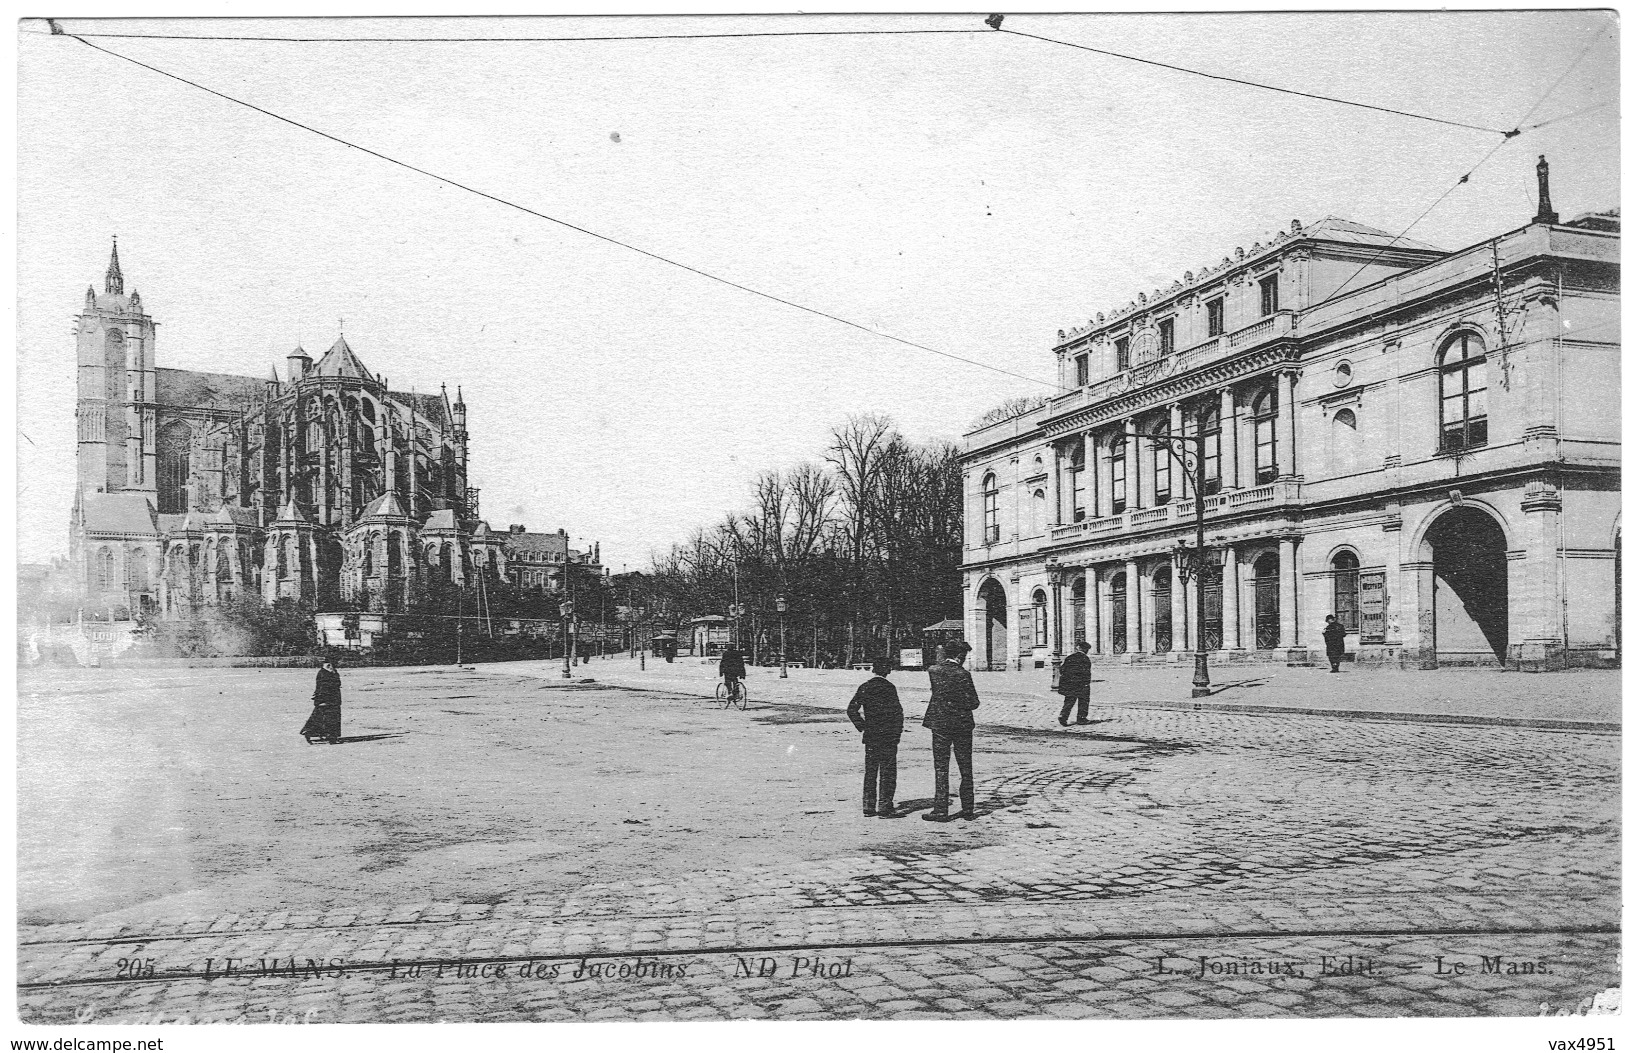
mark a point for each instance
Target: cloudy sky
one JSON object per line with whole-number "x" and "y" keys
{"x": 970, "y": 192}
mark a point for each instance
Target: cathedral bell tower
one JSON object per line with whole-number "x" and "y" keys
{"x": 117, "y": 390}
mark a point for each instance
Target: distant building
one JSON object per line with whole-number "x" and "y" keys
{"x": 1423, "y": 443}
{"x": 328, "y": 486}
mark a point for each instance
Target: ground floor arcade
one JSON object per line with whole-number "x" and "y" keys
{"x": 1498, "y": 578}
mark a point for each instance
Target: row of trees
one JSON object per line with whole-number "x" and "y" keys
{"x": 864, "y": 546}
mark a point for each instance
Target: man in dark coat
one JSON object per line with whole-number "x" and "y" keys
{"x": 324, "y": 722}
{"x": 1334, "y": 641}
{"x": 732, "y": 666}
{"x": 950, "y": 718}
{"x": 1076, "y": 673}
{"x": 875, "y": 711}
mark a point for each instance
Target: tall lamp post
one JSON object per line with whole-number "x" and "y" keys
{"x": 1191, "y": 561}
{"x": 567, "y": 610}
{"x": 784, "y": 659}
{"x": 736, "y": 611}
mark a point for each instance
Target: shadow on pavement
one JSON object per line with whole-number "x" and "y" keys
{"x": 1257, "y": 682}
{"x": 369, "y": 738}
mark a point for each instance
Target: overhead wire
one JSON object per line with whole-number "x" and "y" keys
{"x": 565, "y": 223}
{"x": 1517, "y": 130}
{"x": 1258, "y": 84}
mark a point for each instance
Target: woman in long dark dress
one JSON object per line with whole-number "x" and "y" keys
{"x": 324, "y": 719}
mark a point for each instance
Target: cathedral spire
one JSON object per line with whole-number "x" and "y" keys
{"x": 115, "y": 277}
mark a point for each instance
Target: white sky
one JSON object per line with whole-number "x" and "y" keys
{"x": 971, "y": 193}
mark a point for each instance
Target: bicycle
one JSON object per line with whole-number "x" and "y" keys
{"x": 735, "y": 697}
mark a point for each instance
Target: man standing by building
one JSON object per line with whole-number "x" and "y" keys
{"x": 1076, "y": 673}
{"x": 1334, "y": 641}
{"x": 950, "y": 718}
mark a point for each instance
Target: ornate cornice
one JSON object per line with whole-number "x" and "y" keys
{"x": 1154, "y": 390}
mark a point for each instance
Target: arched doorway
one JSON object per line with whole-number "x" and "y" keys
{"x": 1469, "y": 586}
{"x": 1162, "y": 611}
{"x": 995, "y": 633}
{"x": 1119, "y": 598}
{"x": 1267, "y": 602}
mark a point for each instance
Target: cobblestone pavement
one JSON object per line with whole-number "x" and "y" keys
{"x": 603, "y": 853}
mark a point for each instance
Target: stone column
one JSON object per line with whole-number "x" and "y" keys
{"x": 1246, "y": 605}
{"x": 1537, "y": 606}
{"x": 1091, "y": 607}
{"x": 1085, "y": 494}
{"x": 1176, "y": 430}
{"x": 1416, "y": 623}
{"x": 1289, "y": 593}
{"x": 1176, "y": 612}
{"x": 1232, "y": 596}
{"x": 1227, "y": 439}
{"x": 1131, "y": 465}
{"x": 1132, "y": 585}
{"x": 1246, "y": 447}
{"x": 1286, "y": 422}
{"x": 1057, "y": 454}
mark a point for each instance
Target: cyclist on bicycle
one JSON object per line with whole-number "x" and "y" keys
{"x": 732, "y": 668}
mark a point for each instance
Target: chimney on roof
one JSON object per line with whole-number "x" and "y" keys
{"x": 1546, "y": 216}
{"x": 516, "y": 528}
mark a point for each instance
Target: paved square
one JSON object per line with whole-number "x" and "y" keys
{"x": 497, "y": 845}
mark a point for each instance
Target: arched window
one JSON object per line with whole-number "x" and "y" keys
{"x": 285, "y": 554}
{"x": 1346, "y": 589}
{"x": 222, "y": 563}
{"x": 1080, "y": 495}
{"x": 1207, "y": 423}
{"x": 1040, "y": 619}
{"x": 106, "y": 576}
{"x": 366, "y": 557}
{"x": 1162, "y": 465}
{"x": 397, "y": 556}
{"x": 138, "y": 569}
{"x": 1463, "y": 418}
{"x": 174, "y": 465}
{"x": 1117, "y": 454}
{"x": 113, "y": 359}
{"x": 1040, "y": 513}
{"x": 990, "y": 509}
{"x": 1264, "y": 420}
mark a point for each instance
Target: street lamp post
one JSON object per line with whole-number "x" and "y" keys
{"x": 567, "y": 609}
{"x": 784, "y": 659}
{"x": 1192, "y": 561}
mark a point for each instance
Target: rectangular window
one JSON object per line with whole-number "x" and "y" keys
{"x": 1215, "y": 317}
{"x": 1162, "y": 472}
{"x": 1081, "y": 367}
{"x": 990, "y": 516}
{"x": 1165, "y": 337}
{"x": 1210, "y": 462}
{"x": 1465, "y": 422}
{"x": 1119, "y": 484}
{"x": 1122, "y": 353}
{"x": 1269, "y": 296}
{"x": 1080, "y": 504}
{"x": 1265, "y": 446}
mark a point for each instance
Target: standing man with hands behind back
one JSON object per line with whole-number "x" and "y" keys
{"x": 877, "y": 713}
{"x": 950, "y": 718}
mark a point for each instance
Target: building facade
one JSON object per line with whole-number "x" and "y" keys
{"x": 1425, "y": 444}
{"x": 329, "y": 487}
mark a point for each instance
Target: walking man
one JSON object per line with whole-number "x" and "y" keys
{"x": 325, "y": 721}
{"x": 1076, "y": 672}
{"x": 1334, "y": 641}
{"x": 875, "y": 711}
{"x": 950, "y": 718}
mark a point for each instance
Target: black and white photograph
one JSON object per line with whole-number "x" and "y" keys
{"x": 1109, "y": 519}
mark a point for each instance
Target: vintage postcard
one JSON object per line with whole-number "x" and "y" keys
{"x": 821, "y": 517}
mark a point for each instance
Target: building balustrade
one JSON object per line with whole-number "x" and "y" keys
{"x": 1271, "y": 495}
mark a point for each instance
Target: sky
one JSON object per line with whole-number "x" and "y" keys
{"x": 970, "y": 192}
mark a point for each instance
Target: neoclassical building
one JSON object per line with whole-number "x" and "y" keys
{"x": 329, "y": 486}
{"x": 1424, "y": 443}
